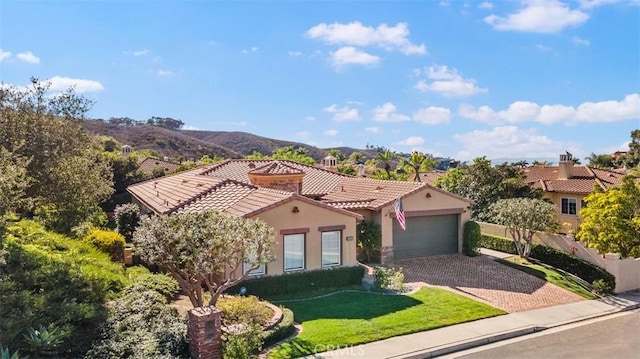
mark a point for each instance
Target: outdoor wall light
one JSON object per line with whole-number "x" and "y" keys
{"x": 295, "y": 209}
{"x": 428, "y": 195}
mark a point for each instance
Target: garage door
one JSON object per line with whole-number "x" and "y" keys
{"x": 426, "y": 236}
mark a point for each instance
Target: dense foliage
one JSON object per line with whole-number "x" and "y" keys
{"x": 54, "y": 281}
{"x": 127, "y": 217}
{"x": 486, "y": 184}
{"x": 299, "y": 282}
{"x": 108, "y": 242}
{"x": 140, "y": 324}
{"x": 205, "y": 250}
{"x": 369, "y": 239}
{"x": 471, "y": 238}
{"x": 63, "y": 166}
{"x": 611, "y": 219}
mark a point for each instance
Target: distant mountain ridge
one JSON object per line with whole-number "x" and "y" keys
{"x": 192, "y": 144}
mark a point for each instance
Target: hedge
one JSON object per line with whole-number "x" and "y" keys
{"x": 553, "y": 257}
{"x": 109, "y": 242}
{"x": 283, "y": 330}
{"x": 300, "y": 282}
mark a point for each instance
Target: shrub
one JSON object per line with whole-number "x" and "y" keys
{"x": 44, "y": 340}
{"x": 140, "y": 324}
{"x": 389, "y": 279}
{"x": 6, "y": 354}
{"x": 244, "y": 310}
{"x": 369, "y": 239}
{"x": 160, "y": 283}
{"x": 602, "y": 287}
{"x": 109, "y": 242}
{"x": 499, "y": 244}
{"x": 555, "y": 258}
{"x": 471, "y": 238}
{"x": 283, "y": 330}
{"x": 572, "y": 264}
{"x": 243, "y": 344}
{"x": 50, "y": 279}
{"x": 300, "y": 282}
{"x": 127, "y": 217}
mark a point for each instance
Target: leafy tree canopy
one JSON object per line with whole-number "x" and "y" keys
{"x": 417, "y": 162}
{"x": 205, "y": 250}
{"x": 611, "y": 219}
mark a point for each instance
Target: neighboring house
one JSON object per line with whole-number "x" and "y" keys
{"x": 149, "y": 164}
{"x": 566, "y": 186}
{"x": 314, "y": 211}
{"x": 431, "y": 177}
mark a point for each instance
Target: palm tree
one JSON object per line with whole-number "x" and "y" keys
{"x": 600, "y": 161}
{"x": 416, "y": 162}
{"x": 386, "y": 157}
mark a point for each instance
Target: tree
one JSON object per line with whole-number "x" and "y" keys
{"x": 205, "y": 249}
{"x": 357, "y": 157}
{"x": 600, "y": 161}
{"x": 296, "y": 154}
{"x": 13, "y": 184}
{"x": 417, "y": 162}
{"x": 369, "y": 239}
{"x": 336, "y": 153}
{"x": 386, "y": 157}
{"x": 523, "y": 217}
{"x": 65, "y": 168}
{"x": 632, "y": 158}
{"x": 611, "y": 219}
{"x": 165, "y": 122}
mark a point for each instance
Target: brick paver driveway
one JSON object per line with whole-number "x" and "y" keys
{"x": 485, "y": 280}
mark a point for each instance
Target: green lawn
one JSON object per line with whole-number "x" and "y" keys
{"x": 360, "y": 317}
{"x": 551, "y": 275}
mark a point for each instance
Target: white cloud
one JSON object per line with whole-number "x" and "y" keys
{"x": 59, "y": 83}
{"x": 485, "y": 5}
{"x": 588, "y": 112}
{"x": 432, "y": 115}
{"x": 253, "y": 49}
{"x": 350, "y": 56}
{"x": 295, "y": 53}
{"x": 28, "y": 57}
{"x": 543, "y": 47}
{"x": 239, "y": 123}
{"x": 412, "y": 141}
{"x": 390, "y": 38}
{"x": 303, "y": 134}
{"x": 310, "y": 118}
{"x": 387, "y": 113}
{"x": 448, "y": 82}
{"x": 589, "y": 4}
{"x": 539, "y": 16}
{"x": 141, "y": 52}
{"x": 506, "y": 142}
{"x": 343, "y": 114}
{"x": 331, "y": 132}
{"x": 577, "y": 40}
{"x": 4, "y": 55}
{"x": 373, "y": 130}
{"x": 189, "y": 127}
{"x": 165, "y": 73}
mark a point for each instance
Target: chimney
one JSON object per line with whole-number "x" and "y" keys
{"x": 126, "y": 150}
{"x": 565, "y": 168}
{"x": 361, "y": 169}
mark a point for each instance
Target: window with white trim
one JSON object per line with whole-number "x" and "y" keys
{"x": 569, "y": 206}
{"x": 247, "y": 264}
{"x": 331, "y": 253}
{"x": 293, "y": 252}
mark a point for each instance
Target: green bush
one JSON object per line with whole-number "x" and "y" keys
{"x": 127, "y": 217}
{"x": 160, "y": 283}
{"x": 140, "y": 324}
{"x": 109, "y": 242}
{"x": 389, "y": 279}
{"x": 50, "y": 279}
{"x": 602, "y": 287}
{"x": 499, "y": 244}
{"x": 300, "y": 282}
{"x": 244, "y": 310}
{"x": 283, "y": 330}
{"x": 243, "y": 344}
{"x": 572, "y": 264}
{"x": 471, "y": 238}
{"x": 555, "y": 258}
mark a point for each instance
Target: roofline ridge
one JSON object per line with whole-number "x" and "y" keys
{"x": 223, "y": 183}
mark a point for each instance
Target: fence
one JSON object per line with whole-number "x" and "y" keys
{"x": 626, "y": 270}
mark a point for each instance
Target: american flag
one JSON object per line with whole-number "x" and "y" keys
{"x": 400, "y": 214}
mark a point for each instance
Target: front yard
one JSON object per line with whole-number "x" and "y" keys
{"x": 356, "y": 317}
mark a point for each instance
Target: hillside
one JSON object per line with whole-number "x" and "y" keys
{"x": 190, "y": 144}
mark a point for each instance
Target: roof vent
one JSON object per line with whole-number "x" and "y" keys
{"x": 252, "y": 165}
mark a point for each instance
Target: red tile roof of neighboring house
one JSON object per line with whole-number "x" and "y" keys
{"x": 582, "y": 181}
{"x": 148, "y": 164}
{"x": 431, "y": 176}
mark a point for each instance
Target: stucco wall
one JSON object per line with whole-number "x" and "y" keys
{"x": 567, "y": 222}
{"x": 282, "y": 218}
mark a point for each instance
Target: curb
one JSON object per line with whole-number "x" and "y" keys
{"x": 496, "y": 337}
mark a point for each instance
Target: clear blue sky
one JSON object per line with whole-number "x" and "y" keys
{"x": 502, "y": 79}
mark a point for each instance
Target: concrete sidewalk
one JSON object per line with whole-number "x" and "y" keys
{"x": 459, "y": 337}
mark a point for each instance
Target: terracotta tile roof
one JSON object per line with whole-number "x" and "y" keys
{"x": 316, "y": 181}
{"x": 276, "y": 168}
{"x": 193, "y": 191}
{"x": 582, "y": 181}
{"x": 431, "y": 176}
{"x": 148, "y": 164}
